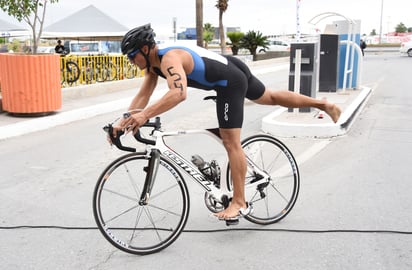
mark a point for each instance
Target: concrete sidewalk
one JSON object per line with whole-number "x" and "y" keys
{"x": 88, "y": 101}
{"x": 316, "y": 123}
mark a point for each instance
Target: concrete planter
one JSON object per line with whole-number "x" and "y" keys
{"x": 30, "y": 83}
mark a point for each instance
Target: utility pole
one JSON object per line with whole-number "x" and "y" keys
{"x": 380, "y": 30}
{"x": 297, "y": 21}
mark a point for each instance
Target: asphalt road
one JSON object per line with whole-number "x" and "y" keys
{"x": 354, "y": 202}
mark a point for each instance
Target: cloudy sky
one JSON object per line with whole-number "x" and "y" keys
{"x": 267, "y": 16}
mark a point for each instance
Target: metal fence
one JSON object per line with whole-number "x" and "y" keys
{"x": 80, "y": 70}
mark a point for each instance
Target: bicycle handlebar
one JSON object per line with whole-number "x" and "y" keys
{"x": 156, "y": 124}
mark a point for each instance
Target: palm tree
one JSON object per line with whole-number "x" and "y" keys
{"x": 222, "y": 6}
{"x": 208, "y": 33}
{"x": 252, "y": 40}
{"x": 235, "y": 38}
{"x": 199, "y": 22}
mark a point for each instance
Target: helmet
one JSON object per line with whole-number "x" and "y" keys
{"x": 137, "y": 38}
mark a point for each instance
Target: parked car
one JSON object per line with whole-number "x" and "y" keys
{"x": 406, "y": 48}
{"x": 48, "y": 49}
{"x": 275, "y": 46}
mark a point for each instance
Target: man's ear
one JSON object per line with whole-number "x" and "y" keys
{"x": 145, "y": 49}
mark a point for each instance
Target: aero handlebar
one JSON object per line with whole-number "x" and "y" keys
{"x": 156, "y": 124}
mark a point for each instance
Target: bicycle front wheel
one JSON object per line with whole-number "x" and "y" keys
{"x": 133, "y": 227}
{"x": 274, "y": 199}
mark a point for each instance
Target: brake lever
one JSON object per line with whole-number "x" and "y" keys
{"x": 116, "y": 140}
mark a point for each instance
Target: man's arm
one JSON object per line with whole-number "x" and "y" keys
{"x": 172, "y": 68}
{"x": 142, "y": 98}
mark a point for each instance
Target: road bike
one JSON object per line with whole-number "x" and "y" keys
{"x": 141, "y": 200}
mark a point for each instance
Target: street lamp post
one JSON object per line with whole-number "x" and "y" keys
{"x": 380, "y": 30}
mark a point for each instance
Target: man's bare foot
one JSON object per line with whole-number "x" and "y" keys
{"x": 230, "y": 212}
{"x": 333, "y": 111}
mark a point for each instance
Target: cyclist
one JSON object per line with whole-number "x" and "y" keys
{"x": 199, "y": 68}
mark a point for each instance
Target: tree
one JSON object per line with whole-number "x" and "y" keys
{"x": 31, "y": 11}
{"x": 401, "y": 28}
{"x": 222, "y": 6}
{"x": 235, "y": 38}
{"x": 199, "y": 22}
{"x": 373, "y": 33}
{"x": 208, "y": 33}
{"x": 252, "y": 40}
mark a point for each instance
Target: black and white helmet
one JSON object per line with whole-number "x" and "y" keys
{"x": 137, "y": 38}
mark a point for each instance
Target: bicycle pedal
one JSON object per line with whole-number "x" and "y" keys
{"x": 231, "y": 222}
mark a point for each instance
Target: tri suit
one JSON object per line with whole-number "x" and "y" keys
{"x": 227, "y": 75}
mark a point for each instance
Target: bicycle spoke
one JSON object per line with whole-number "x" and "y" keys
{"x": 120, "y": 194}
{"x": 121, "y": 214}
{"x": 165, "y": 210}
{"x": 139, "y": 214}
{"x": 280, "y": 193}
{"x": 149, "y": 216}
{"x": 132, "y": 182}
{"x": 162, "y": 192}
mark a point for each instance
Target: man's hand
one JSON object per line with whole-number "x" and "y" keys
{"x": 132, "y": 122}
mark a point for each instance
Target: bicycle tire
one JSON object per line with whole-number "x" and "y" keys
{"x": 72, "y": 72}
{"x": 101, "y": 72}
{"x": 131, "y": 71}
{"x": 129, "y": 226}
{"x": 275, "y": 200}
{"x": 111, "y": 71}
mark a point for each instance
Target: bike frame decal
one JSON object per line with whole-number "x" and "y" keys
{"x": 188, "y": 168}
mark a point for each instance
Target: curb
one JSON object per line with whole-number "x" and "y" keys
{"x": 46, "y": 122}
{"x": 292, "y": 130}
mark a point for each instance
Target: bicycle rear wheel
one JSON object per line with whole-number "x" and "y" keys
{"x": 130, "y": 226}
{"x": 272, "y": 200}
{"x": 72, "y": 72}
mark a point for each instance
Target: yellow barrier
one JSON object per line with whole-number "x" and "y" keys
{"x": 79, "y": 70}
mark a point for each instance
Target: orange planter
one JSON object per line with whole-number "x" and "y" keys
{"x": 30, "y": 83}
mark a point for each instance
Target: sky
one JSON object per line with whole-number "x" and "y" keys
{"x": 266, "y": 16}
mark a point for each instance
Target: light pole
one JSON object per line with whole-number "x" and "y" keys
{"x": 174, "y": 29}
{"x": 297, "y": 21}
{"x": 380, "y": 30}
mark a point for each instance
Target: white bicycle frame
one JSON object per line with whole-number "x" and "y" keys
{"x": 193, "y": 171}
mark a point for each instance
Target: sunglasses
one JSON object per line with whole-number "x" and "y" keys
{"x": 132, "y": 54}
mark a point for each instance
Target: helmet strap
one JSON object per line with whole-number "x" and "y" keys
{"x": 146, "y": 57}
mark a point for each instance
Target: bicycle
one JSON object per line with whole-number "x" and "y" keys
{"x": 70, "y": 71}
{"x": 98, "y": 69}
{"x": 141, "y": 200}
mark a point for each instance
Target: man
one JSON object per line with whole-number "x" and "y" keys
{"x": 59, "y": 47}
{"x": 200, "y": 68}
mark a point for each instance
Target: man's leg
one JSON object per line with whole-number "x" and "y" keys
{"x": 231, "y": 141}
{"x": 291, "y": 99}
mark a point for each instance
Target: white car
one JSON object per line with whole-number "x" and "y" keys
{"x": 406, "y": 48}
{"x": 48, "y": 49}
{"x": 275, "y": 46}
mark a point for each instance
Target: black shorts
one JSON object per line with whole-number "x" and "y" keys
{"x": 230, "y": 99}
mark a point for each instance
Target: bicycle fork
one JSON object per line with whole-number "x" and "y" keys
{"x": 151, "y": 172}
